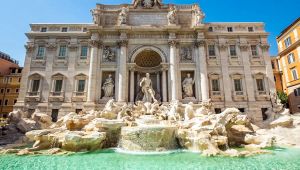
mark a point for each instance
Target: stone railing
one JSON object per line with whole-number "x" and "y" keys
{"x": 33, "y": 96}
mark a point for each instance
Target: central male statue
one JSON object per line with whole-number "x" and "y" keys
{"x": 146, "y": 85}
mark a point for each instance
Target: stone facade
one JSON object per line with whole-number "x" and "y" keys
{"x": 67, "y": 64}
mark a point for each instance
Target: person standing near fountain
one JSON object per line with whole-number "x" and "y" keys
{"x": 146, "y": 85}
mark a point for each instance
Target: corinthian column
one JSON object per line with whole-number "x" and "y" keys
{"x": 132, "y": 84}
{"x": 173, "y": 70}
{"x": 122, "y": 71}
{"x": 164, "y": 84}
{"x": 95, "y": 43}
{"x": 202, "y": 63}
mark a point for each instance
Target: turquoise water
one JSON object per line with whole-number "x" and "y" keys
{"x": 108, "y": 159}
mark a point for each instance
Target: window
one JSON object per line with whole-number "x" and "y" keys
{"x": 237, "y": 84}
{"x": 260, "y": 84}
{"x": 19, "y": 80}
{"x": 297, "y": 92}
{"x": 35, "y": 85}
{"x": 5, "y": 102}
{"x": 294, "y": 73}
{"x": 15, "y": 101}
{"x": 273, "y": 65}
{"x": 84, "y": 50}
{"x": 211, "y": 50}
{"x": 7, "y": 90}
{"x": 81, "y": 85}
{"x": 44, "y": 29}
{"x": 229, "y": 29}
{"x": 250, "y": 29}
{"x": 291, "y": 58}
{"x": 2, "y": 90}
{"x": 254, "y": 50}
{"x": 288, "y": 42}
{"x": 210, "y": 29}
{"x": 58, "y": 85}
{"x": 17, "y": 90}
{"x": 232, "y": 50}
{"x": 62, "y": 51}
{"x": 64, "y": 29}
{"x": 215, "y": 85}
{"x": 41, "y": 52}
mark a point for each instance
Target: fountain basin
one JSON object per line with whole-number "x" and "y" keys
{"x": 148, "y": 138}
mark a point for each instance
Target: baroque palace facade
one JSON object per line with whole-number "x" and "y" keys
{"x": 70, "y": 67}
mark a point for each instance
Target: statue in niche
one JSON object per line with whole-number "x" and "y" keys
{"x": 172, "y": 16}
{"x": 109, "y": 54}
{"x": 108, "y": 87}
{"x": 199, "y": 15}
{"x": 186, "y": 54}
{"x": 187, "y": 86}
{"x": 146, "y": 85}
{"x": 123, "y": 16}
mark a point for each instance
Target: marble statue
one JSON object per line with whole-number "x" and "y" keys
{"x": 189, "y": 112}
{"x": 276, "y": 102}
{"x": 146, "y": 3}
{"x": 172, "y": 113}
{"x": 108, "y": 54}
{"x": 108, "y": 87}
{"x": 172, "y": 16}
{"x": 123, "y": 16}
{"x": 146, "y": 85}
{"x": 136, "y": 3}
{"x": 199, "y": 15}
{"x": 187, "y": 86}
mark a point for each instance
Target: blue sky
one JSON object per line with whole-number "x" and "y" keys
{"x": 16, "y": 15}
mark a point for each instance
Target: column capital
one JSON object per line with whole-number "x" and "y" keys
{"x": 164, "y": 67}
{"x": 73, "y": 46}
{"x": 265, "y": 46}
{"x": 123, "y": 43}
{"x": 29, "y": 46}
{"x": 244, "y": 47}
{"x": 173, "y": 43}
{"x": 95, "y": 43}
{"x": 51, "y": 46}
{"x": 223, "y": 46}
{"x": 200, "y": 43}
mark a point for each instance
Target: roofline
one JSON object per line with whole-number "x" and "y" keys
{"x": 287, "y": 28}
{"x": 61, "y": 23}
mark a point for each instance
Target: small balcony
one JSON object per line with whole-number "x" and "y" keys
{"x": 79, "y": 96}
{"x": 33, "y": 96}
{"x": 217, "y": 96}
{"x": 262, "y": 96}
{"x": 239, "y": 96}
{"x": 57, "y": 96}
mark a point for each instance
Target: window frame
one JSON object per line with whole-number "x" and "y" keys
{"x": 41, "y": 53}
{"x": 240, "y": 84}
{"x": 211, "y": 48}
{"x": 62, "y": 52}
{"x": 83, "y": 57}
{"x": 291, "y": 58}
{"x": 294, "y": 73}
{"x": 233, "y": 55}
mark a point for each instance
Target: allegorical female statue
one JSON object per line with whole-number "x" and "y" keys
{"x": 108, "y": 87}
{"x": 172, "y": 16}
{"x": 146, "y": 85}
{"x": 187, "y": 86}
{"x": 123, "y": 16}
